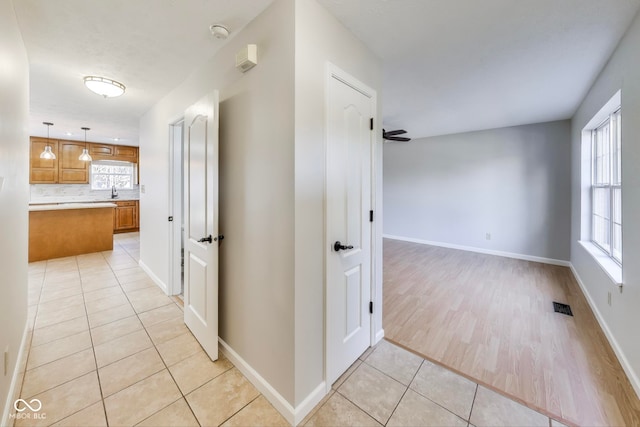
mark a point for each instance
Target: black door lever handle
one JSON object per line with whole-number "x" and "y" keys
{"x": 337, "y": 246}
{"x": 206, "y": 239}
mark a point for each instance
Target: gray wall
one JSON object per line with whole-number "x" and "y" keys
{"x": 513, "y": 183}
{"x": 256, "y": 295}
{"x": 271, "y": 187}
{"x": 14, "y": 193}
{"x": 622, "y": 317}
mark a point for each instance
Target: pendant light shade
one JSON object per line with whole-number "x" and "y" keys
{"x": 85, "y": 156}
{"x": 47, "y": 154}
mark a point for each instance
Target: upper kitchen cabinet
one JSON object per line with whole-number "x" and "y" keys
{"x": 70, "y": 169}
{"x": 102, "y": 151}
{"x": 113, "y": 152}
{"x": 126, "y": 153}
{"x": 43, "y": 171}
{"x": 66, "y": 168}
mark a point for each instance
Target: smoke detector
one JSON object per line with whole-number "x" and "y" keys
{"x": 219, "y": 31}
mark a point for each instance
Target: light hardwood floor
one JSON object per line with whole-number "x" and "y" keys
{"x": 491, "y": 319}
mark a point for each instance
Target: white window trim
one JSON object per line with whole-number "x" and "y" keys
{"x": 610, "y": 186}
{"x": 116, "y": 162}
{"x": 608, "y": 265}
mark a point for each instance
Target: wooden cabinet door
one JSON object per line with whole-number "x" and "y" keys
{"x": 71, "y": 169}
{"x": 127, "y": 154}
{"x": 126, "y": 216}
{"x": 102, "y": 151}
{"x": 43, "y": 171}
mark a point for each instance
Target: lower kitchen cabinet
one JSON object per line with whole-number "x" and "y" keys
{"x": 126, "y": 216}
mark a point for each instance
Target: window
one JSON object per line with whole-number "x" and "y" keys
{"x": 107, "y": 174}
{"x": 606, "y": 186}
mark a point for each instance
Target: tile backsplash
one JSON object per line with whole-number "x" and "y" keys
{"x": 61, "y": 193}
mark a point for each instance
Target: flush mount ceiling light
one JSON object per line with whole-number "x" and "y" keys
{"x": 85, "y": 156}
{"x": 219, "y": 31}
{"x": 103, "y": 86}
{"x": 47, "y": 154}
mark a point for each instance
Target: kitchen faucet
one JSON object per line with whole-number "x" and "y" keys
{"x": 114, "y": 192}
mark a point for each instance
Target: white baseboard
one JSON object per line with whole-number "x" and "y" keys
{"x": 293, "y": 415}
{"x": 379, "y": 336}
{"x": 482, "y": 250}
{"x": 155, "y": 278}
{"x": 633, "y": 377}
{"x": 275, "y": 398}
{"x": 11, "y": 395}
{"x": 310, "y": 402}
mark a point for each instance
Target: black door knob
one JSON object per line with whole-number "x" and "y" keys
{"x": 220, "y": 237}
{"x": 337, "y": 246}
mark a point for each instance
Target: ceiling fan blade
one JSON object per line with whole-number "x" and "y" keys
{"x": 398, "y": 138}
{"x": 395, "y": 132}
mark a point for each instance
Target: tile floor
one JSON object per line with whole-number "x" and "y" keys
{"x": 107, "y": 347}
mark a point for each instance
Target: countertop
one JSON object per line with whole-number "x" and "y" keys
{"x": 61, "y": 206}
{"x": 67, "y": 201}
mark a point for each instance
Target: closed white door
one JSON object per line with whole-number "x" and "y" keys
{"x": 348, "y": 201}
{"x": 201, "y": 222}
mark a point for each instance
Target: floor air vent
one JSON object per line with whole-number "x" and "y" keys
{"x": 562, "y": 308}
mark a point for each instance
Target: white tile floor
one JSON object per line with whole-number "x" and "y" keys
{"x": 107, "y": 347}
{"x": 392, "y": 387}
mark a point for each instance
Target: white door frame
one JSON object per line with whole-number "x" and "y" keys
{"x": 176, "y": 130}
{"x": 334, "y": 72}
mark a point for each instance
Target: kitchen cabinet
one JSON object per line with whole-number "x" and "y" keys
{"x": 64, "y": 169}
{"x": 102, "y": 151}
{"x": 69, "y": 229}
{"x": 122, "y": 153}
{"x": 126, "y": 153}
{"x": 126, "y": 216}
{"x": 43, "y": 171}
{"x": 71, "y": 170}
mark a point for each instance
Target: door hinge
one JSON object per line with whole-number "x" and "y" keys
{"x": 370, "y": 216}
{"x": 371, "y": 123}
{"x": 170, "y": 219}
{"x": 371, "y": 307}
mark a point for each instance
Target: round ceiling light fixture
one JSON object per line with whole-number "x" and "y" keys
{"x": 219, "y": 31}
{"x": 103, "y": 86}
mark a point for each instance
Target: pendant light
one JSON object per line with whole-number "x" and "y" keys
{"x": 47, "y": 154}
{"x": 85, "y": 156}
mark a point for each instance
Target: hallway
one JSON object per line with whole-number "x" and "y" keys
{"x": 107, "y": 344}
{"x": 109, "y": 348}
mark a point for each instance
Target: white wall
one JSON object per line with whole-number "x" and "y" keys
{"x": 321, "y": 38}
{"x": 14, "y": 193}
{"x": 513, "y": 183}
{"x": 256, "y": 191}
{"x": 620, "y": 320}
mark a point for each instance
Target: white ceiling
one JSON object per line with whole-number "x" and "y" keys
{"x": 450, "y": 65}
{"x": 150, "y": 46}
{"x": 460, "y": 65}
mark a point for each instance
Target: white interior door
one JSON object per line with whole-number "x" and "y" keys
{"x": 201, "y": 222}
{"x": 348, "y": 200}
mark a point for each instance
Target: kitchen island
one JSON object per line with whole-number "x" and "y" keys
{"x": 69, "y": 229}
